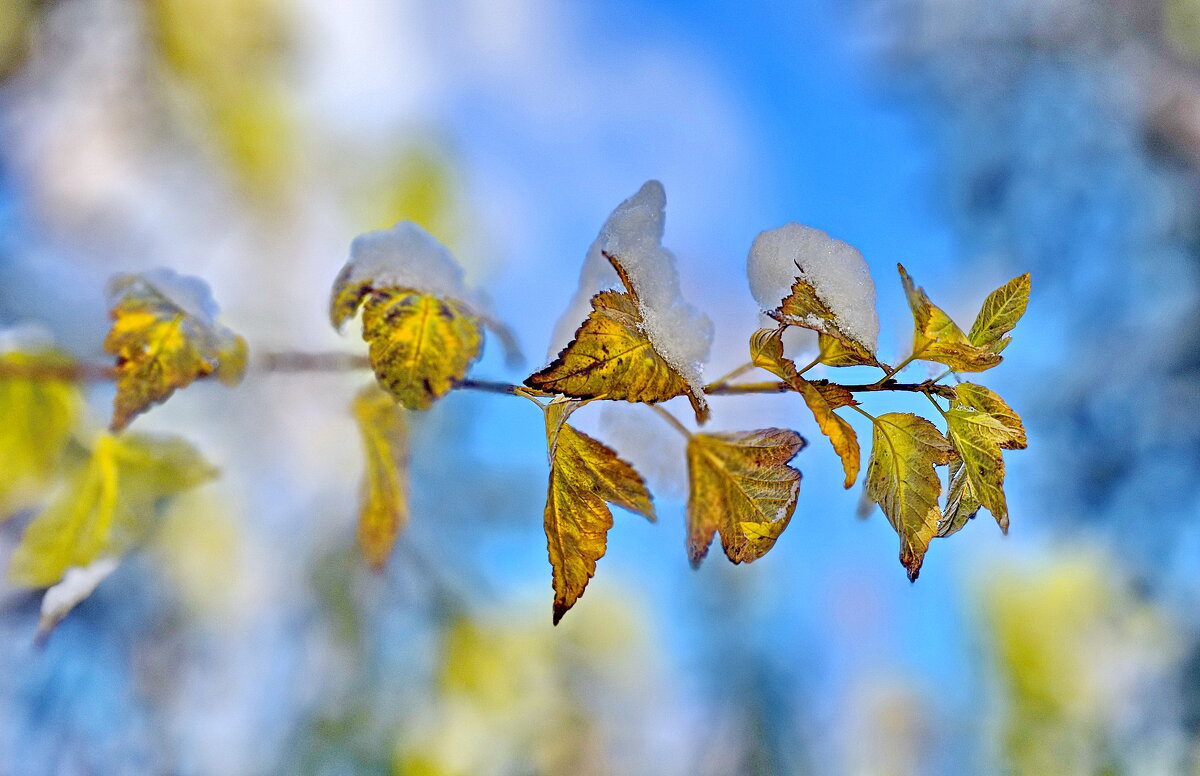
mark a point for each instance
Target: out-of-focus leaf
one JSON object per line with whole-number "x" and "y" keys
{"x": 999, "y": 315}
{"x": 766, "y": 351}
{"x": 902, "y": 480}
{"x": 383, "y": 511}
{"x": 161, "y": 346}
{"x": 584, "y": 475}
{"x": 37, "y": 417}
{"x": 938, "y": 338}
{"x": 19, "y": 17}
{"x": 230, "y": 58}
{"x": 76, "y": 585}
{"x": 980, "y": 424}
{"x": 420, "y": 345}
{"x": 611, "y": 357}
{"x": 743, "y": 488}
{"x": 107, "y": 506}
{"x": 803, "y": 307}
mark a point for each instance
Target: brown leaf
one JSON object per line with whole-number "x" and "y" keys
{"x": 766, "y": 351}
{"x": 612, "y": 358}
{"x": 584, "y": 475}
{"x": 741, "y": 487}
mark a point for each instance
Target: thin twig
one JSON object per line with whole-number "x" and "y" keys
{"x": 682, "y": 429}
{"x": 297, "y": 362}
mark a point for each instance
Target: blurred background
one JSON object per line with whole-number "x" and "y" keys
{"x": 247, "y": 142}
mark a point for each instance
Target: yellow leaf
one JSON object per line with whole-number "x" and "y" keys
{"x": 902, "y": 480}
{"x": 803, "y": 307}
{"x": 107, "y": 506}
{"x": 611, "y": 357}
{"x": 766, "y": 351}
{"x": 977, "y": 397}
{"x": 420, "y": 345}
{"x": 741, "y": 487}
{"x": 961, "y": 501}
{"x": 980, "y": 425}
{"x": 999, "y": 315}
{"x": 976, "y": 438}
{"x": 160, "y": 346}
{"x": 383, "y": 512}
{"x": 39, "y": 416}
{"x": 584, "y": 475}
{"x": 938, "y": 338}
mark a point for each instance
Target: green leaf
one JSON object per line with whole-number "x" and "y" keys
{"x": 999, "y": 315}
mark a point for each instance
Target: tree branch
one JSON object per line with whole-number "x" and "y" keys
{"x": 296, "y": 362}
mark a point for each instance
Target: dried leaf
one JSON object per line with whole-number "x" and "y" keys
{"x": 162, "y": 346}
{"x": 420, "y": 345}
{"x": 803, "y": 307}
{"x": 999, "y": 315}
{"x": 584, "y": 475}
{"x": 107, "y": 505}
{"x": 741, "y": 487}
{"x": 611, "y": 357}
{"x": 766, "y": 351}
{"x": 383, "y": 509}
{"x": 902, "y": 480}
{"x": 938, "y": 338}
{"x": 39, "y": 416}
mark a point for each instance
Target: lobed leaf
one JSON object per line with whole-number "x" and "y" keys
{"x": 980, "y": 425}
{"x": 938, "y": 338}
{"x": 611, "y": 357}
{"x": 766, "y": 351}
{"x": 383, "y": 507}
{"x": 585, "y": 476}
{"x": 39, "y": 416}
{"x": 804, "y": 307}
{"x": 901, "y": 478}
{"x": 741, "y": 487}
{"x": 420, "y": 345}
{"x": 161, "y": 346}
{"x": 999, "y": 314}
{"x": 107, "y": 505}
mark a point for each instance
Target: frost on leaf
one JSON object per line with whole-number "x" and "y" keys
{"x": 980, "y": 425}
{"x": 901, "y": 478}
{"x": 803, "y": 277}
{"x": 165, "y": 335}
{"x": 611, "y": 357}
{"x": 37, "y": 418}
{"x": 383, "y": 510}
{"x": 742, "y": 488}
{"x": 766, "y": 351}
{"x": 585, "y": 476}
{"x": 937, "y": 338}
{"x": 418, "y": 319}
{"x": 650, "y": 319}
{"x": 107, "y": 506}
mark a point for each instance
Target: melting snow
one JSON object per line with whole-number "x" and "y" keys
{"x": 679, "y": 332}
{"x": 405, "y": 256}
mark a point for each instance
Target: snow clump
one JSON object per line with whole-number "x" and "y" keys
{"x": 836, "y": 270}
{"x": 679, "y": 332}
